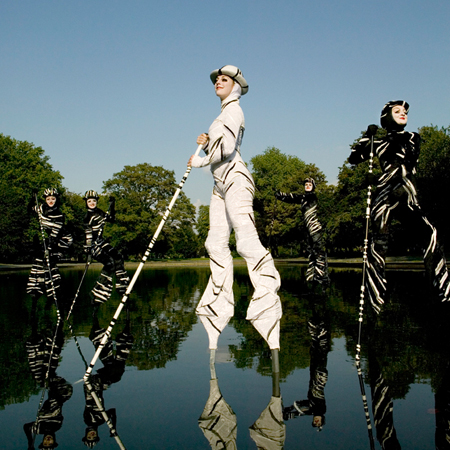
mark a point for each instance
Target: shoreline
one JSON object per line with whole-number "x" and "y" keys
{"x": 392, "y": 263}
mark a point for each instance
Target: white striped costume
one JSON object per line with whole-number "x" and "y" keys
{"x": 232, "y": 208}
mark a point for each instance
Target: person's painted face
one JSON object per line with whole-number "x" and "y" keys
{"x": 399, "y": 115}
{"x": 223, "y": 86}
{"x": 91, "y": 203}
{"x": 48, "y": 441}
{"x": 308, "y": 186}
{"x": 50, "y": 200}
{"x": 91, "y": 435}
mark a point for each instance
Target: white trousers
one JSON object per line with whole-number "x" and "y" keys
{"x": 232, "y": 208}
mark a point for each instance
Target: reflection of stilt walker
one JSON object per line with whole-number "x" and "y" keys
{"x": 382, "y": 407}
{"x": 232, "y": 208}
{"x": 218, "y": 421}
{"x": 43, "y": 357}
{"x": 315, "y": 404}
{"x": 113, "y": 368}
{"x": 396, "y": 196}
{"x": 318, "y": 263}
{"x": 269, "y": 430}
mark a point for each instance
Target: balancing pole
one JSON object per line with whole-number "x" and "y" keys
{"x": 138, "y": 271}
{"x": 88, "y": 263}
{"x": 372, "y": 129}
{"x": 47, "y": 256}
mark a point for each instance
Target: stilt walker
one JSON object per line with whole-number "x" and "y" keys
{"x": 318, "y": 263}
{"x": 44, "y": 276}
{"x": 102, "y": 251}
{"x": 232, "y": 208}
{"x": 396, "y": 197}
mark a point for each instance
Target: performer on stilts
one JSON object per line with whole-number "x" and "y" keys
{"x": 318, "y": 263}
{"x": 102, "y": 251}
{"x": 232, "y": 208}
{"x": 56, "y": 241}
{"x": 396, "y": 197}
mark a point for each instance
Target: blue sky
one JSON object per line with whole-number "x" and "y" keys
{"x": 104, "y": 84}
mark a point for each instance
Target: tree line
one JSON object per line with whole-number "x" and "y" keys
{"x": 143, "y": 193}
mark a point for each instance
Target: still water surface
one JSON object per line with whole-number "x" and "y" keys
{"x": 156, "y": 382}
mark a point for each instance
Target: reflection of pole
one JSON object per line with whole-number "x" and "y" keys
{"x": 138, "y": 270}
{"x": 105, "y": 416}
{"x": 78, "y": 346}
{"x": 366, "y": 407}
{"x": 47, "y": 375}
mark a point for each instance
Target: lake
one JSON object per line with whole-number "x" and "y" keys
{"x": 154, "y": 386}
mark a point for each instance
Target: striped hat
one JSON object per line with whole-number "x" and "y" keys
{"x": 234, "y": 73}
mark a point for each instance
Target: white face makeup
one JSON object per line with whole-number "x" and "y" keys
{"x": 308, "y": 186}
{"x": 50, "y": 200}
{"x": 223, "y": 86}
{"x": 399, "y": 115}
{"x": 91, "y": 203}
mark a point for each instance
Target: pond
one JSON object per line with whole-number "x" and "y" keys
{"x": 157, "y": 389}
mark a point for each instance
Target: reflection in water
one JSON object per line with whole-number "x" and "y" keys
{"x": 269, "y": 430}
{"x": 315, "y": 404}
{"x": 113, "y": 368}
{"x": 43, "y": 353}
{"x": 218, "y": 421}
{"x": 409, "y": 341}
{"x": 442, "y": 410}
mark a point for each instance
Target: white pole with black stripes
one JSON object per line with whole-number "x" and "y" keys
{"x": 138, "y": 270}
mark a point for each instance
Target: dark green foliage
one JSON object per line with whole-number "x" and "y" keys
{"x": 280, "y": 225}
{"x": 433, "y": 177}
{"x": 143, "y": 193}
{"x": 24, "y": 169}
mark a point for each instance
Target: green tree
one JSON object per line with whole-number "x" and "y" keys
{"x": 433, "y": 177}
{"x": 143, "y": 193}
{"x": 279, "y": 223}
{"x": 24, "y": 169}
{"x": 202, "y": 227}
{"x": 345, "y": 224}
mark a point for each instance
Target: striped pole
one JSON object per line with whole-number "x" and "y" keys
{"x": 138, "y": 271}
{"x": 361, "y": 306}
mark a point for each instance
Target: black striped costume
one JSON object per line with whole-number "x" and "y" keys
{"x": 43, "y": 356}
{"x": 105, "y": 253}
{"x": 111, "y": 372}
{"x": 315, "y": 404}
{"x": 318, "y": 263}
{"x": 383, "y": 409}
{"x": 56, "y": 242}
{"x": 396, "y": 197}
